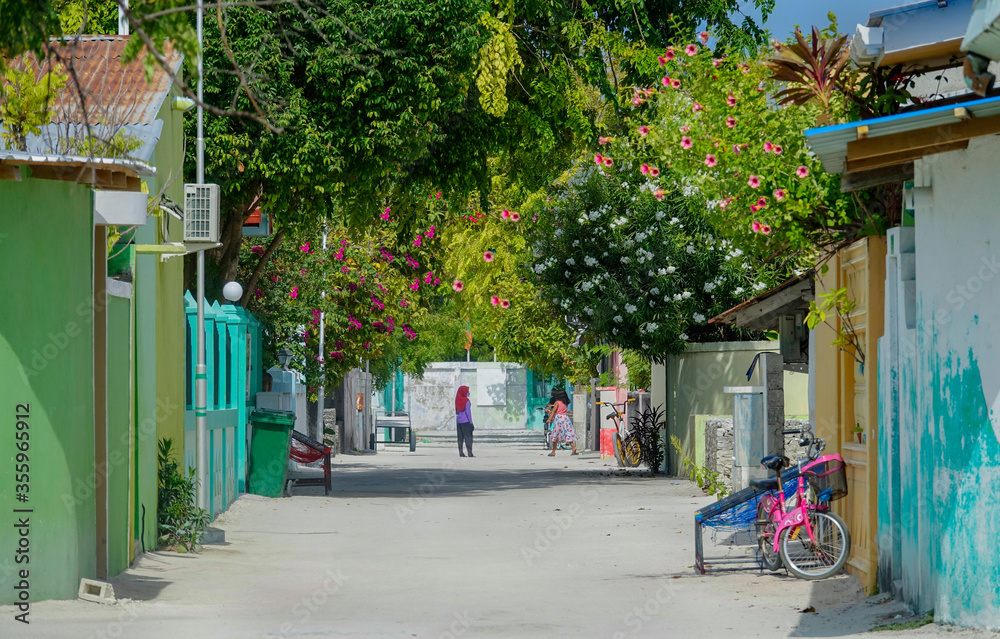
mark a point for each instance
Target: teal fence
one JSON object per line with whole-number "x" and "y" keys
{"x": 233, "y": 359}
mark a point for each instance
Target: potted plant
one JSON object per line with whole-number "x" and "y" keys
{"x": 858, "y": 431}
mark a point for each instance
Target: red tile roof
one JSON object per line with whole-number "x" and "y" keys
{"x": 99, "y": 86}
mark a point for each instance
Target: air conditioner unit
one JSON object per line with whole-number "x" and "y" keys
{"x": 201, "y": 213}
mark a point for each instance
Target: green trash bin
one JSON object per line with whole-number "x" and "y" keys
{"x": 272, "y": 436}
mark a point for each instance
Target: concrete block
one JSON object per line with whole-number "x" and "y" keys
{"x": 96, "y": 591}
{"x": 213, "y": 536}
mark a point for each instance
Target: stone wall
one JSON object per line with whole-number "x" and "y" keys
{"x": 719, "y": 443}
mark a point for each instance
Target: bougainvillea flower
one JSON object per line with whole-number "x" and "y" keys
{"x": 494, "y": 300}
{"x": 654, "y": 172}
{"x": 603, "y": 140}
{"x": 608, "y": 162}
{"x": 703, "y": 36}
{"x": 644, "y": 130}
{"x": 755, "y": 226}
{"x": 504, "y": 303}
{"x": 691, "y": 50}
{"x": 765, "y": 229}
{"x": 439, "y": 195}
{"x": 598, "y": 158}
{"x": 488, "y": 256}
{"x": 305, "y": 248}
{"x": 457, "y": 285}
{"x": 731, "y": 122}
{"x": 294, "y": 293}
{"x": 415, "y": 285}
{"x": 731, "y": 100}
{"x": 675, "y": 83}
{"x": 515, "y": 217}
{"x": 686, "y": 142}
{"x": 644, "y": 168}
{"x": 802, "y": 172}
{"x": 505, "y": 214}
{"x": 779, "y": 194}
{"x": 710, "y": 161}
{"x": 257, "y": 250}
{"x": 754, "y": 181}
{"x": 418, "y": 241}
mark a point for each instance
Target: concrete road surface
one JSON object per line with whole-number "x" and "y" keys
{"x": 512, "y": 543}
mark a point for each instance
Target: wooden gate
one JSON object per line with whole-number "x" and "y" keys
{"x": 847, "y": 394}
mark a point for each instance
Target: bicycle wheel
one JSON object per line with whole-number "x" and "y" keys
{"x": 631, "y": 451}
{"x": 769, "y": 559}
{"x": 824, "y": 558}
{"x": 617, "y": 444}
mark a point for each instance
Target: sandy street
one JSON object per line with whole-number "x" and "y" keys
{"x": 511, "y": 543}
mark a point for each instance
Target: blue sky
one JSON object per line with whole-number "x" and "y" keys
{"x": 788, "y": 13}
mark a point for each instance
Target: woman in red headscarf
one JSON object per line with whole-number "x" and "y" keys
{"x": 463, "y": 420}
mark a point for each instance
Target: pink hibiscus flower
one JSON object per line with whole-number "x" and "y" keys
{"x": 691, "y": 50}
{"x": 703, "y": 36}
{"x": 603, "y": 140}
{"x": 644, "y": 168}
{"x": 765, "y": 229}
{"x": 802, "y": 172}
{"x": 670, "y": 55}
{"x": 515, "y": 217}
{"x": 504, "y": 303}
{"x": 598, "y": 158}
{"x": 697, "y": 107}
{"x": 666, "y": 80}
{"x": 754, "y": 208}
{"x": 608, "y": 162}
{"x": 662, "y": 60}
{"x": 675, "y": 84}
{"x": 731, "y": 122}
{"x": 762, "y": 202}
{"x": 488, "y": 256}
{"x": 777, "y": 150}
{"x": 768, "y": 146}
{"x": 654, "y": 172}
{"x": 659, "y": 194}
{"x": 644, "y": 130}
{"x": 755, "y": 226}
{"x": 754, "y": 181}
{"x": 457, "y": 285}
{"x": 710, "y": 161}
{"x": 731, "y": 100}
{"x": 779, "y": 194}
{"x": 685, "y": 129}
{"x": 686, "y": 142}
{"x": 494, "y": 300}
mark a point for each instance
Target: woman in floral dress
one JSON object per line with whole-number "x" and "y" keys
{"x": 562, "y": 425}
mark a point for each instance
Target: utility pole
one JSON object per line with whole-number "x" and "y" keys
{"x": 321, "y": 395}
{"x": 201, "y": 371}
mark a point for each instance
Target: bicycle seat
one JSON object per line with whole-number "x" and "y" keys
{"x": 774, "y": 462}
{"x": 764, "y": 484}
{"x": 613, "y": 415}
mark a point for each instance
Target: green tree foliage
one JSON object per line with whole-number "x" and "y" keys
{"x": 25, "y": 104}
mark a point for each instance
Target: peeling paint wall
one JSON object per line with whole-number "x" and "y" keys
{"x": 937, "y": 525}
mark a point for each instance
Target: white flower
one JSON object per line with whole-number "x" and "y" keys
{"x": 652, "y": 326}
{"x": 662, "y": 271}
{"x": 571, "y": 262}
{"x": 683, "y": 336}
{"x": 675, "y": 220}
{"x": 576, "y": 242}
{"x": 709, "y": 287}
{"x": 671, "y": 269}
{"x": 686, "y": 294}
{"x": 629, "y": 308}
{"x": 759, "y": 286}
{"x": 677, "y": 297}
{"x": 690, "y": 249}
{"x": 698, "y": 317}
{"x": 654, "y": 291}
{"x": 618, "y": 318}
{"x": 589, "y": 261}
{"x": 739, "y": 289}
{"x": 660, "y": 215}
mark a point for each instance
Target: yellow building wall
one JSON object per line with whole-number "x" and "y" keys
{"x": 847, "y": 394}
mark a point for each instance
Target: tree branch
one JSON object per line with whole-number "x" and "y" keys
{"x": 259, "y": 269}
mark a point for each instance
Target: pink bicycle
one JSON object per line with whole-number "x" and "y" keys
{"x": 800, "y": 533}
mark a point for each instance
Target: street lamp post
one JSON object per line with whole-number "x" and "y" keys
{"x": 201, "y": 371}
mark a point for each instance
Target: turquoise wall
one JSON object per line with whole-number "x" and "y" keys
{"x": 46, "y": 362}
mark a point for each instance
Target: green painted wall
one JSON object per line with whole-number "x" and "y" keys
{"x": 119, "y": 432}
{"x": 46, "y": 361}
{"x": 144, "y": 495}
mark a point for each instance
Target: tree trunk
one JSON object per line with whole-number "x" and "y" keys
{"x": 259, "y": 269}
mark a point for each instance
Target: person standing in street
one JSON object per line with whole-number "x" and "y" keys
{"x": 562, "y": 425}
{"x": 463, "y": 420}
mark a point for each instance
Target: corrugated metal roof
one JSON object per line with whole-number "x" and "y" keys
{"x": 830, "y": 143}
{"x": 99, "y": 87}
{"x": 128, "y": 165}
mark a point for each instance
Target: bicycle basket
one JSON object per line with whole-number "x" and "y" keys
{"x": 828, "y": 477}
